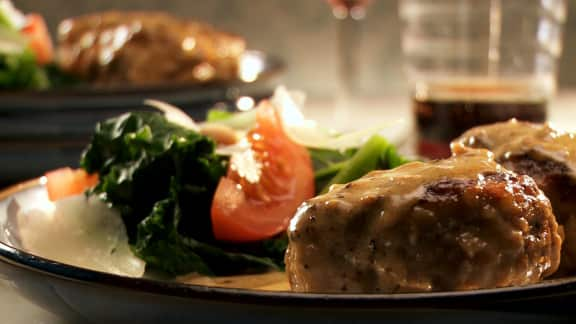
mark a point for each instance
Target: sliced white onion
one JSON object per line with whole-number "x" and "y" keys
{"x": 309, "y": 134}
{"x": 239, "y": 147}
{"x": 303, "y": 131}
{"x": 173, "y": 114}
{"x": 13, "y": 17}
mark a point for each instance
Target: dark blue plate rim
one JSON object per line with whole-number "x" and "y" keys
{"x": 476, "y": 299}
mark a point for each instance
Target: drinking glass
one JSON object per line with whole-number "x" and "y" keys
{"x": 474, "y": 62}
{"x": 350, "y": 15}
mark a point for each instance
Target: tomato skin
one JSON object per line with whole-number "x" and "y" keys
{"x": 246, "y": 211}
{"x": 64, "y": 182}
{"x": 40, "y": 42}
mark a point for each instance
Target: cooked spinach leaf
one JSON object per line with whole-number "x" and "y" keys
{"x": 165, "y": 248}
{"x": 137, "y": 155}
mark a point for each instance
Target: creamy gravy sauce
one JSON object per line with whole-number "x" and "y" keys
{"x": 514, "y": 138}
{"x": 271, "y": 281}
{"x": 406, "y": 183}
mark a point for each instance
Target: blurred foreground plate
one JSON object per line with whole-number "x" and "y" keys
{"x": 81, "y": 295}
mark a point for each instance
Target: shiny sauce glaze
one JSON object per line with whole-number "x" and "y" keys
{"x": 456, "y": 224}
{"x": 516, "y": 138}
{"x": 548, "y": 156}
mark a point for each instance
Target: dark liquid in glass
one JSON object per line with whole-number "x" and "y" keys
{"x": 439, "y": 121}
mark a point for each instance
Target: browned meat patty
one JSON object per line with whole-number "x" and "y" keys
{"x": 456, "y": 224}
{"x": 116, "y": 47}
{"x": 545, "y": 154}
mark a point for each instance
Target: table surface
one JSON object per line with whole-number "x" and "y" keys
{"x": 562, "y": 114}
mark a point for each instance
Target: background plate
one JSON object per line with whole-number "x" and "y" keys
{"x": 42, "y": 130}
{"x": 264, "y": 69}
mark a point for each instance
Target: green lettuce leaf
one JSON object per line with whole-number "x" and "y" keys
{"x": 327, "y": 163}
{"x": 375, "y": 154}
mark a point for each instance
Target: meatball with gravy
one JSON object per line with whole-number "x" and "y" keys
{"x": 547, "y": 155}
{"x": 456, "y": 224}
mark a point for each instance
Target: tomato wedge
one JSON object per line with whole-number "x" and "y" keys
{"x": 37, "y": 32}
{"x": 264, "y": 185}
{"x": 64, "y": 182}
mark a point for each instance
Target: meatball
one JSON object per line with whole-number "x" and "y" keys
{"x": 146, "y": 47}
{"x": 456, "y": 224}
{"x": 545, "y": 154}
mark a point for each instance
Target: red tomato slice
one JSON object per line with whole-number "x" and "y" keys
{"x": 264, "y": 186}
{"x": 40, "y": 42}
{"x": 64, "y": 182}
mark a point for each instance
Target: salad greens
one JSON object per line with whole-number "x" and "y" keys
{"x": 239, "y": 120}
{"x": 20, "y": 40}
{"x": 375, "y": 154}
{"x": 327, "y": 163}
{"x": 18, "y": 65}
{"x": 10, "y": 17}
{"x": 216, "y": 115}
{"x": 20, "y": 71}
{"x": 162, "y": 246}
{"x": 161, "y": 177}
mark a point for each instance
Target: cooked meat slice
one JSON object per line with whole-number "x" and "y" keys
{"x": 456, "y": 224}
{"x": 116, "y": 47}
{"x": 545, "y": 154}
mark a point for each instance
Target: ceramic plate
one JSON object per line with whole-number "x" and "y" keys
{"x": 79, "y": 294}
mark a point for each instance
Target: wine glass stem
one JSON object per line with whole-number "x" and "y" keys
{"x": 349, "y": 34}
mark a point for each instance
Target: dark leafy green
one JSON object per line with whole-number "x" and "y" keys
{"x": 161, "y": 177}
{"x": 137, "y": 155}
{"x": 20, "y": 71}
{"x": 165, "y": 248}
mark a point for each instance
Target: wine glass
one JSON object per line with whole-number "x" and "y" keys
{"x": 350, "y": 14}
